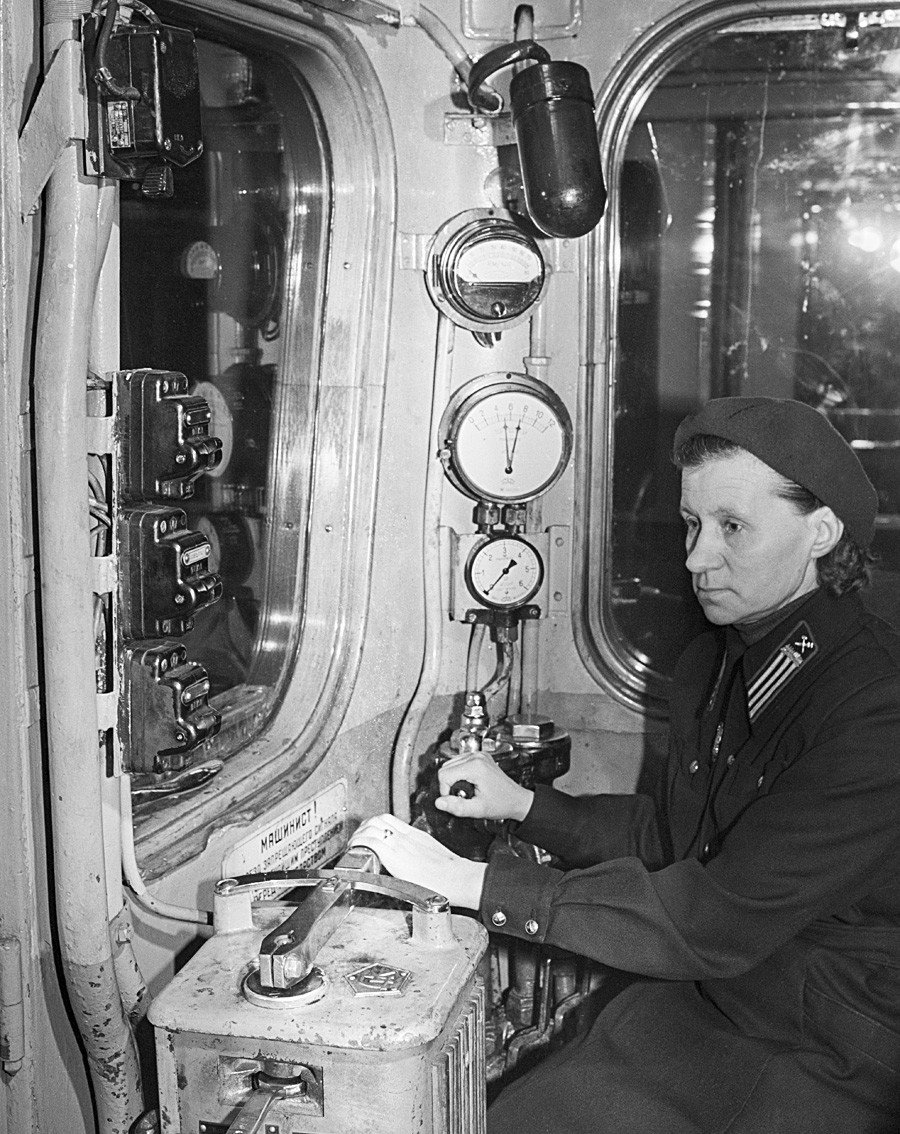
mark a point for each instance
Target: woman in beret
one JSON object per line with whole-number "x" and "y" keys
{"x": 757, "y": 901}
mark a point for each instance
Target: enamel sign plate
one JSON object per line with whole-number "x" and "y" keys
{"x": 303, "y": 837}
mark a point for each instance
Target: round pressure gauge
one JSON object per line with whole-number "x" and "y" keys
{"x": 504, "y": 572}
{"x": 505, "y": 438}
{"x": 484, "y": 272}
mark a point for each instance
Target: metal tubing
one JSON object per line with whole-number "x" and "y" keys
{"x": 473, "y": 657}
{"x": 407, "y": 737}
{"x": 61, "y": 361}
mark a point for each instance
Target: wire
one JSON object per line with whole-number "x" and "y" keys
{"x": 132, "y": 874}
{"x": 101, "y": 73}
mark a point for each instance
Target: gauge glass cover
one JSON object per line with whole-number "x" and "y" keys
{"x": 484, "y": 272}
{"x": 496, "y": 278}
{"x": 510, "y": 446}
{"x": 504, "y": 572}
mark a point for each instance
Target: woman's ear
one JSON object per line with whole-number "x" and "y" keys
{"x": 828, "y": 531}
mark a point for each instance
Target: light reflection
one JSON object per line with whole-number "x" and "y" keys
{"x": 866, "y": 238}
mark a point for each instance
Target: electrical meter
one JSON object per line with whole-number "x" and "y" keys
{"x": 504, "y": 572}
{"x": 483, "y": 272}
{"x": 505, "y": 438}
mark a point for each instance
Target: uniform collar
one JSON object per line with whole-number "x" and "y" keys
{"x": 790, "y": 649}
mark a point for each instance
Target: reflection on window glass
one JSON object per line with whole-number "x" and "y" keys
{"x": 759, "y": 223}
{"x": 215, "y": 283}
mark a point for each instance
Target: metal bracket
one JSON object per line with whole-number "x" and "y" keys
{"x": 461, "y": 129}
{"x": 412, "y": 250}
{"x": 56, "y": 120}
{"x": 559, "y": 569}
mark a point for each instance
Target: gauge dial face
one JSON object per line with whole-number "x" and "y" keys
{"x": 504, "y": 572}
{"x": 496, "y": 279}
{"x": 510, "y": 445}
{"x": 498, "y": 261}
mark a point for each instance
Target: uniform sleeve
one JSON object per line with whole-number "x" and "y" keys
{"x": 820, "y": 833}
{"x": 584, "y": 830}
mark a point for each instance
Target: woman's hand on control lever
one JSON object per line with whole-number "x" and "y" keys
{"x": 495, "y": 795}
{"x": 415, "y": 856}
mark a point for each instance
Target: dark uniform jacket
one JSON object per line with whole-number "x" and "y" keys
{"x": 762, "y": 894}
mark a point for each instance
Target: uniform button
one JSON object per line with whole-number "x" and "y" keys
{"x": 706, "y": 851}
{"x": 759, "y": 782}
{"x": 498, "y": 917}
{"x": 694, "y": 766}
{"x": 730, "y": 760}
{"x": 531, "y": 926}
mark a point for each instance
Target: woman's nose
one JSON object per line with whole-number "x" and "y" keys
{"x": 702, "y": 552}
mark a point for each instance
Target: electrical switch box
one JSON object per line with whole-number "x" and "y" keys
{"x": 165, "y": 707}
{"x": 165, "y": 578}
{"x": 165, "y": 433}
{"x": 143, "y": 86}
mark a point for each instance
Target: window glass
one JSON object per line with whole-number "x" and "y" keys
{"x": 758, "y": 222}
{"x": 224, "y": 282}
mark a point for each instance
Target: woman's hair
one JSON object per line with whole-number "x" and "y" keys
{"x": 844, "y": 569}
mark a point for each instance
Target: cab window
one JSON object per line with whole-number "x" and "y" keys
{"x": 754, "y": 249}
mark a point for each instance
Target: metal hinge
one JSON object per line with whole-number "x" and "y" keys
{"x": 12, "y": 1006}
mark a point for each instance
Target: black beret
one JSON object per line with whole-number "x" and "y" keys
{"x": 800, "y": 443}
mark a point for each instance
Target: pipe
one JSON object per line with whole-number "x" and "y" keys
{"x": 473, "y": 658}
{"x": 75, "y": 767}
{"x": 536, "y": 362}
{"x": 484, "y": 98}
{"x": 529, "y": 653}
{"x": 404, "y": 749}
{"x": 514, "y": 691}
{"x": 501, "y": 674}
{"x": 135, "y": 994}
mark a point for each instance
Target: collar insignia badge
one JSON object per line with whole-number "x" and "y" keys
{"x": 780, "y": 668}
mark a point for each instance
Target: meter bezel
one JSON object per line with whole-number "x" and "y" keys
{"x": 479, "y": 596}
{"x": 457, "y": 237}
{"x": 467, "y": 399}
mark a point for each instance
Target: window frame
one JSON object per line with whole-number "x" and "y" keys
{"x": 622, "y": 96}
{"x": 346, "y": 434}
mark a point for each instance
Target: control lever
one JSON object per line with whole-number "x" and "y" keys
{"x": 270, "y": 1089}
{"x": 286, "y": 974}
{"x": 286, "y": 955}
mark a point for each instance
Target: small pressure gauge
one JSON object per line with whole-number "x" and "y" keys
{"x": 484, "y": 272}
{"x": 505, "y": 438}
{"x": 504, "y": 572}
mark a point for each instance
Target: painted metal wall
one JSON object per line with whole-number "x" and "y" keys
{"x": 435, "y": 180}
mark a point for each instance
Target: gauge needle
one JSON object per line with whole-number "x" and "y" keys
{"x": 506, "y": 570}
{"x": 510, "y": 453}
{"x": 506, "y": 443}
